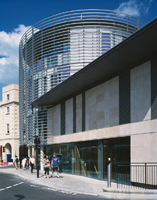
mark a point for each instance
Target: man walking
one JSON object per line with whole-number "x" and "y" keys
{"x": 32, "y": 163}
{"x": 16, "y": 162}
{"x": 54, "y": 165}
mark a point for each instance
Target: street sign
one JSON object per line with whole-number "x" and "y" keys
{"x": 43, "y": 142}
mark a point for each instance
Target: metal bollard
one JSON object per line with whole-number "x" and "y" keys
{"x": 109, "y": 173}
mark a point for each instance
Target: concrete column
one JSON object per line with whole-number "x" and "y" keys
{"x": 41, "y": 158}
{"x": 30, "y": 152}
{"x": 33, "y": 152}
{"x": 4, "y": 157}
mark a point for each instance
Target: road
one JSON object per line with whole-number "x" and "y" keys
{"x": 15, "y": 188}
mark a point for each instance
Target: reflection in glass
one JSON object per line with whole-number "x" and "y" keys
{"x": 84, "y": 158}
{"x": 118, "y": 149}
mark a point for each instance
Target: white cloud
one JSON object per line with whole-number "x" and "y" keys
{"x": 134, "y": 7}
{"x": 130, "y": 8}
{"x": 9, "y": 54}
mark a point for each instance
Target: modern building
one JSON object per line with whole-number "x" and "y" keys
{"x": 106, "y": 109}
{"x": 57, "y": 47}
{"x": 9, "y": 123}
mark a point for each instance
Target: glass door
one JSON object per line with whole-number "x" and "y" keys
{"x": 118, "y": 149}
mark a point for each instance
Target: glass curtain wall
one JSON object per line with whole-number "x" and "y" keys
{"x": 88, "y": 159}
{"x": 79, "y": 158}
{"x": 118, "y": 149}
{"x": 85, "y": 158}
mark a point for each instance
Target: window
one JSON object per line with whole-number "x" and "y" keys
{"x": 36, "y": 89}
{"x": 7, "y": 128}
{"x": 7, "y": 97}
{"x": 45, "y": 84}
{"x": 7, "y": 109}
{"x": 51, "y": 81}
{"x": 105, "y": 42}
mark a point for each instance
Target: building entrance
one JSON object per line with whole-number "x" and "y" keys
{"x": 8, "y": 157}
{"x": 118, "y": 149}
{"x": 8, "y": 152}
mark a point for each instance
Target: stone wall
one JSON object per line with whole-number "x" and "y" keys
{"x": 79, "y": 113}
{"x": 69, "y": 116}
{"x": 10, "y": 117}
{"x": 102, "y": 105}
{"x": 141, "y": 93}
{"x": 57, "y": 120}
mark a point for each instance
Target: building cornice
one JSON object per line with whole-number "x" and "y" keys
{"x": 10, "y": 102}
{"x": 13, "y": 138}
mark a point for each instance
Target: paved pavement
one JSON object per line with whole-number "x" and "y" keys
{"x": 16, "y": 188}
{"x": 81, "y": 185}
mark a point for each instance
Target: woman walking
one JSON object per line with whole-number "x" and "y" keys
{"x": 32, "y": 163}
{"x": 46, "y": 166}
{"x": 23, "y": 163}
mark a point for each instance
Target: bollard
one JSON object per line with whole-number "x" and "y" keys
{"x": 109, "y": 173}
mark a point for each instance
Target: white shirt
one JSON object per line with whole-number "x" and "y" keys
{"x": 24, "y": 161}
{"x": 32, "y": 160}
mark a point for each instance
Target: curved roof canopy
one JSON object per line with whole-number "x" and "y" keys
{"x": 136, "y": 49}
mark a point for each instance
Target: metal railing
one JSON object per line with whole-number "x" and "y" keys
{"x": 85, "y": 14}
{"x": 136, "y": 175}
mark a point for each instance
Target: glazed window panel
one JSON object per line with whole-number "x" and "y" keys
{"x": 105, "y": 42}
{"x": 8, "y": 97}
{"x": 7, "y": 128}
{"x": 88, "y": 159}
{"x": 8, "y": 109}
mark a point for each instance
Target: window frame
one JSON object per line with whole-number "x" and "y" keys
{"x": 8, "y": 129}
{"x": 8, "y": 109}
{"x": 8, "y": 97}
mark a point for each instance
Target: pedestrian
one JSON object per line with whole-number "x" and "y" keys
{"x": 55, "y": 165}
{"x": 23, "y": 163}
{"x": 28, "y": 162}
{"x": 46, "y": 162}
{"x": 16, "y": 162}
{"x": 32, "y": 163}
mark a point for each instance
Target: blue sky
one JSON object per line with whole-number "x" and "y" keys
{"x": 17, "y": 15}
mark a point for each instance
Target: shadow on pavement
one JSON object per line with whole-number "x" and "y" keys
{"x": 19, "y": 197}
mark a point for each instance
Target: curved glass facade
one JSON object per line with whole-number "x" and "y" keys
{"x": 57, "y": 47}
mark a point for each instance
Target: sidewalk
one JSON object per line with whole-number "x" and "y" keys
{"x": 78, "y": 184}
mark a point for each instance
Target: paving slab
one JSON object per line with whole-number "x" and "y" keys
{"x": 83, "y": 185}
